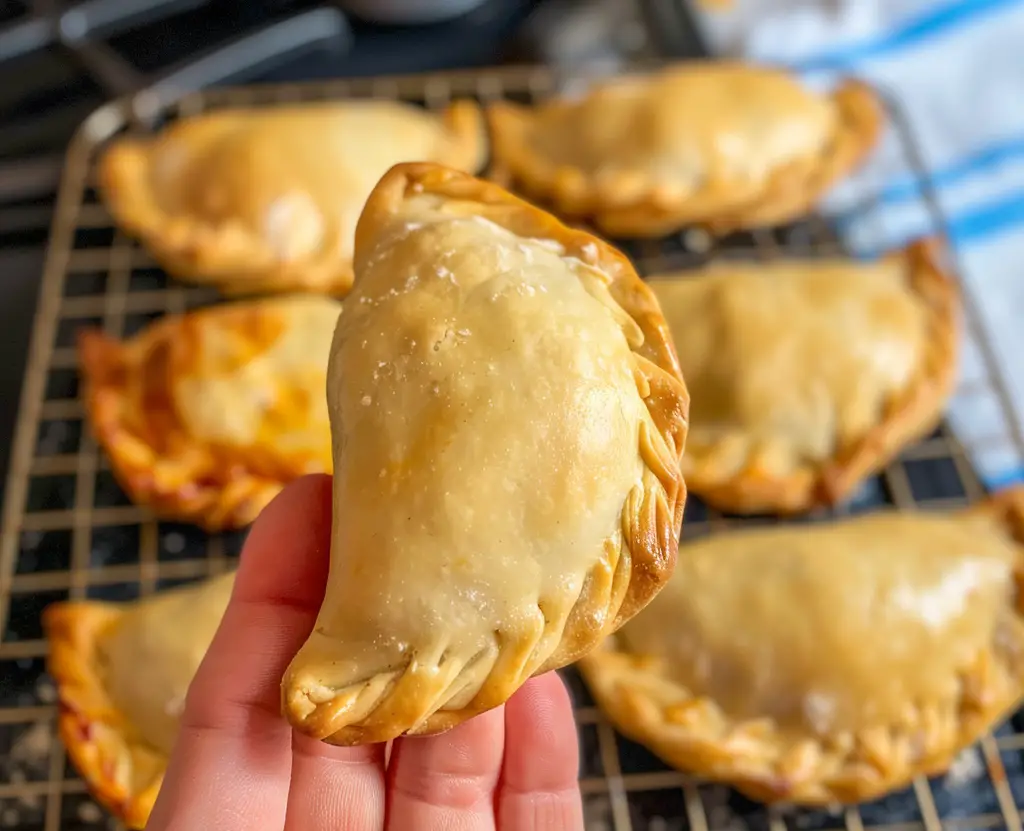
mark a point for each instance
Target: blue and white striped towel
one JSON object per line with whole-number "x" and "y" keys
{"x": 957, "y": 69}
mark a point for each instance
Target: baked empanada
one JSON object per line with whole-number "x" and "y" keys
{"x": 507, "y": 416}
{"x": 207, "y": 415}
{"x": 266, "y": 200}
{"x": 122, "y": 671}
{"x": 720, "y": 144}
{"x": 826, "y": 663}
{"x": 808, "y": 375}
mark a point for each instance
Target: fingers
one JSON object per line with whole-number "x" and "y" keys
{"x": 446, "y": 782}
{"x": 539, "y": 789}
{"x": 335, "y": 787}
{"x": 232, "y": 758}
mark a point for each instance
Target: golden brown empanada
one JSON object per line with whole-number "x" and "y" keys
{"x": 207, "y": 415}
{"x": 122, "y": 671}
{"x": 508, "y": 416}
{"x": 720, "y": 144}
{"x": 809, "y": 375}
{"x": 266, "y": 200}
{"x": 826, "y": 663}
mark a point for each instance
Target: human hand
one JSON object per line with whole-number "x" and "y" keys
{"x": 239, "y": 765}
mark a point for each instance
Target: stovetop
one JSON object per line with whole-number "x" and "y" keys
{"x": 60, "y": 61}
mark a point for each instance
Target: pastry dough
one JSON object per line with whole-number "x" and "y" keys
{"x": 508, "y": 417}
{"x": 826, "y": 663}
{"x": 807, "y": 376}
{"x": 206, "y": 416}
{"x": 266, "y": 200}
{"x": 122, "y": 671}
{"x": 721, "y": 144}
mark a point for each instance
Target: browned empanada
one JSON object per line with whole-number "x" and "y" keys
{"x": 826, "y": 663}
{"x": 508, "y": 417}
{"x": 266, "y": 200}
{"x": 809, "y": 375}
{"x": 207, "y": 415}
{"x": 720, "y": 144}
{"x": 122, "y": 671}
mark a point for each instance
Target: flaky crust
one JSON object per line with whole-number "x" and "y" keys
{"x": 651, "y": 210}
{"x": 122, "y": 772}
{"x": 755, "y": 488}
{"x": 694, "y": 734}
{"x": 229, "y": 255}
{"x": 128, "y": 399}
{"x": 623, "y": 581}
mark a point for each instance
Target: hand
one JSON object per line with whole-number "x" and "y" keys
{"x": 238, "y": 764}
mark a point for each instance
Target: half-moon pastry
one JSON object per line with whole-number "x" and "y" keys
{"x": 720, "y": 144}
{"x": 809, "y": 375}
{"x": 122, "y": 671}
{"x": 207, "y": 415}
{"x": 826, "y": 663}
{"x": 266, "y": 200}
{"x": 507, "y": 416}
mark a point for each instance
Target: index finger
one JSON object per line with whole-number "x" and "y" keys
{"x": 232, "y": 760}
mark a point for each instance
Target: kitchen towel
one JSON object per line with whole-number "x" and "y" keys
{"x": 956, "y": 69}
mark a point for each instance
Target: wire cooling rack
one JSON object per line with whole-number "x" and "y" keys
{"x": 69, "y": 531}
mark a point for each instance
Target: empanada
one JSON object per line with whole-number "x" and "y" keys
{"x": 508, "y": 417}
{"x": 720, "y": 144}
{"x": 207, "y": 415}
{"x": 826, "y": 663}
{"x": 266, "y": 200}
{"x": 809, "y": 375}
{"x": 122, "y": 671}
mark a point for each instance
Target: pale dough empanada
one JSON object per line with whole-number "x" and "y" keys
{"x": 809, "y": 375}
{"x": 826, "y": 663}
{"x": 508, "y": 418}
{"x": 266, "y": 200}
{"x": 122, "y": 671}
{"x": 207, "y": 415}
{"x": 720, "y": 144}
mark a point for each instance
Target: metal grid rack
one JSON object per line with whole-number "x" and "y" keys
{"x": 69, "y": 531}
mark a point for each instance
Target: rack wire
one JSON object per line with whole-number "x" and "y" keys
{"x": 69, "y": 531}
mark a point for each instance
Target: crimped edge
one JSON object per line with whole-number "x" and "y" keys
{"x": 907, "y": 417}
{"x": 611, "y": 676}
{"x": 652, "y": 211}
{"x": 652, "y": 520}
{"x": 95, "y": 733}
{"x": 212, "y": 496}
{"x": 231, "y": 258}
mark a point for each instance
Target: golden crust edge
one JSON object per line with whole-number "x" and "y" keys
{"x": 907, "y": 418}
{"x": 787, "y": 194}
{"x": 607, "y": 674}
{"x": 236, "y": 262}
{"x": 649, "y": 555}
{"x": 103, "y": 362}
{"x": 88, "y": 722}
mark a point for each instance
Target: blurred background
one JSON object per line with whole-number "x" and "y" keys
{"x": 61, "y": 61}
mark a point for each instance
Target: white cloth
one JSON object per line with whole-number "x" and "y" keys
{"x": 956, "y": 69}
